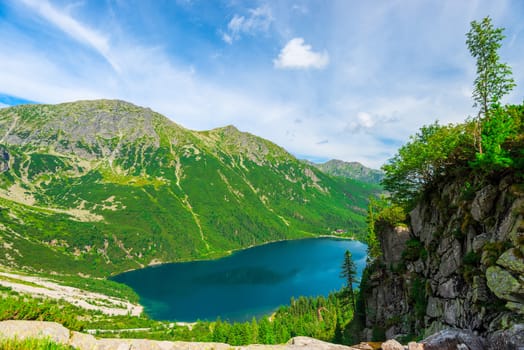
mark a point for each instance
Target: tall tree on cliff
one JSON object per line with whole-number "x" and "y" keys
{"x": 493, "y": 77}
{"x": 349, "y": 272}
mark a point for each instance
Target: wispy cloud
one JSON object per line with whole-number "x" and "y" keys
{"x": 365, "y": 122}
{"x": 298, "y": 55}
{"x": 73, "y": 28}
{"x": 393, "y": 66}
{"x": 257, "y": 20}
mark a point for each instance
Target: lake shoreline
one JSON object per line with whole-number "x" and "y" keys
{"x": 156, "y": 263}
{"x": 253, "y": 281}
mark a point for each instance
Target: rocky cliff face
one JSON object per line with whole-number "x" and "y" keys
{"x": 459, "y": 264}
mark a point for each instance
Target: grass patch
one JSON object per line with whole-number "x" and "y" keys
{"x": 32, "y": 344}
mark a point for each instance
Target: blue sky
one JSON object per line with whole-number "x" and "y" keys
{"x": 324, "y": 79}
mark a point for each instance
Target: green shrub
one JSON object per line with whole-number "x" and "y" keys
{"x": 429, "y": 155}
{"x": 498, "y": 132}
{"x": 418, "y": 298}
{"x": 471, "y": 258}
{"x": 414, "y": 250}
{"x": 378, "y": 333}
{"x": 20, "y": 307}
{"x": 470, "y": 267}
{"x": 491, "y": 251}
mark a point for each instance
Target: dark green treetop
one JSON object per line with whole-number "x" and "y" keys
{"x": 349, "y": 272}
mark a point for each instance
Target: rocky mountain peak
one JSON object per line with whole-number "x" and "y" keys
{"x": 152, "y": 190}
{"x": 353, "y": 170}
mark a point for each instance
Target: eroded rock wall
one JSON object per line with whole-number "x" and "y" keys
{"x": 462, "y": 265}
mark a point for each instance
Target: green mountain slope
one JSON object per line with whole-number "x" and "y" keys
{"x": 103, "y": 186}
{"x": 352, "y": 170}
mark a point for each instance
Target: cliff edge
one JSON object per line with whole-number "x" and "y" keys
{"x": 458, "y": 263}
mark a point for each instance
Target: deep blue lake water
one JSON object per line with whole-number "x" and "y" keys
{"x": 250, "y": 282}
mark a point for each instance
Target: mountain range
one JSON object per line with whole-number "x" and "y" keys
{"x": 103, "y": 186}
{"x": 352, "y": 170}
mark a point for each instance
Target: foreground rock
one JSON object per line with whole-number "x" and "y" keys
{"x": 60, "y": 334}
{"x": 452, "y": 339}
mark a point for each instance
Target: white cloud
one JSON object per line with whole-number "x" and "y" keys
{"x": 3, "y": 105}
{"x": 298, "y": 55}
{"x": 227, "y": 38}
{"x": 258, "y": 20}
{"x": 366, "y": 122}
{"x": 73, "y": 28}
{"x": 392, "y": 75}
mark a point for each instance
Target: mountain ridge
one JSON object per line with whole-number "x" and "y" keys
{"x": 352, "y": 170}
{"x": 114, "y": 186}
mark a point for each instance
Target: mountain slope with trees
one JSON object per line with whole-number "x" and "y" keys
{"x": 104, "y": 186}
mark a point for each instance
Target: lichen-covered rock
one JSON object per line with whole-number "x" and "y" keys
{"x": 512, "y": 260}
{"x": 417, "y": 220}
{"x": 509, "y": 339}
{"x": 435, "y": 307}
{"x": 454, "y": 312}
{"x": 386, "y": 301}
{"x": 434, "y": 327}
{"x": 479, "y": 241}
{"x": 452, "y": 339}
{"x": 421, "y": 227}
{"x": 479, "y": 289}
{"x": 511, "y": 223}
{"x": 517, "y": 307}
{"x": 502, "y": 283}
{"x": 462, "y": 270}
{"x": 449, "y": 289}
{"x": 451, "y": 259}
{"x": 483, "y": 202}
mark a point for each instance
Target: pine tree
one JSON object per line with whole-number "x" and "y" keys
{"x": 349, "y": 272}
{"x": 265, "y": 332}
{"x": 254, "y": 331}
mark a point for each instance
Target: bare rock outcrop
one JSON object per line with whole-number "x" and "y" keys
{"x": 462, "y": 266}
{"x": 452, "y": 339}
{"x": 34, "y": 329}
{"x": 392, "y": 344}
{"x": 81, "y": 341}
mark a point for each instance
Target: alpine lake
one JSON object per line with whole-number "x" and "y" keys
{"x": 249, "y": 283}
